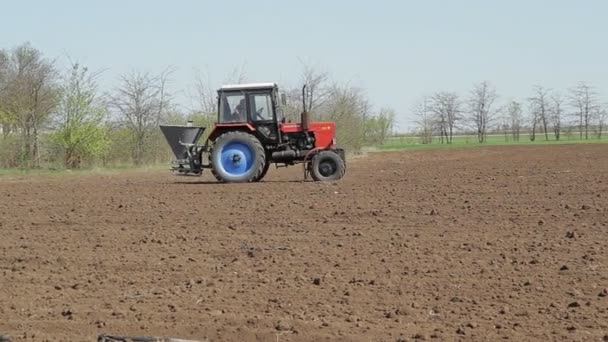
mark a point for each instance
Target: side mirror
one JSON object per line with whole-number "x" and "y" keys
{"x": 283, "y": 99}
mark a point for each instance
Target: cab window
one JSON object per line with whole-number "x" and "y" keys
{"x": 261, "y": 107}
{"x": 233, "y": 108}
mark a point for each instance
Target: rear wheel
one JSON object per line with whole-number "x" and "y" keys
{"x": 327, "y": 166}
{"x": 237, "y": 157}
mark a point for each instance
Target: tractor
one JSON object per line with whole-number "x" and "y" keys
{"x": 250, "y": 134}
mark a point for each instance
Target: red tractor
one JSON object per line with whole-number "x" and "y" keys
{"x": 250, "y": 134}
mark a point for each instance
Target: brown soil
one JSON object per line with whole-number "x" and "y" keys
{"x": 479, "y": 244}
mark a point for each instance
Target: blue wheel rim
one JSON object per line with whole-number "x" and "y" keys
{"x": 236, "y": 159}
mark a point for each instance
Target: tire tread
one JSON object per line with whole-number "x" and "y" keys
{"x": 341, "y": 166}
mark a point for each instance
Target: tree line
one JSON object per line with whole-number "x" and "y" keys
{"x": 61, "y": 118}
{"x": 545, "y": 114}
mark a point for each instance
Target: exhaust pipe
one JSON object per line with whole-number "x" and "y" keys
{"x": 304, "y": 114}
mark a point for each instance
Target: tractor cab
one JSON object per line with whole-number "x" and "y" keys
{"x": 254, "y": 104}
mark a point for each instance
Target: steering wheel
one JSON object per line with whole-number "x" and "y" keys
{"x": 258, "y": 113}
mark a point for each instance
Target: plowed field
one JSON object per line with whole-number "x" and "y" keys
{"x": 478, "y": 244}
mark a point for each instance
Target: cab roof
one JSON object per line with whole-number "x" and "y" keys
{"x": 245, "y": 86}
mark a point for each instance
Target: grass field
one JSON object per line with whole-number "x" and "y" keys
{"x": 410, "y": 142}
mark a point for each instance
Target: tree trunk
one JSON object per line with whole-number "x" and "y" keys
{"x": 72, "y": 160}
{"x": 545, "y": 127}
{"x": 580, "y": 126}
{"x": 139, "y": 149}
{"x": 25, "y": 147}
{"x": 515, "y": 133}
{"x": 451, "y": 135}
{"x": 35, "y": 150}
{"x": 6, "y": 130}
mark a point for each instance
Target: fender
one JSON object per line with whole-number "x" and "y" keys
{"x": 220, "y": 128}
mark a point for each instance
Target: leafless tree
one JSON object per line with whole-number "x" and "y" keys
{"x": 514, "y": 111}
{"x": 141, "y": 100}
{"x": 446, "y": 109}
{"x": 440, "y": 120}
{"x": 318, "y": 90}
{"x": 556, "y": 114}
{"x": 584, "y": 99}
{"x": 29, "y": 94}
{"x": 205, "y": 94}
{"x": 601, "y": 122}
{"x": 238, "y": 75}
{"x": 318, "y": 96}
{"x": 539, "y": 105}
{"x": 424, "y": 120}
{"x": 503, "y": 122}
{"x": 481, "y": 101}
{"x": 534, "y": 118}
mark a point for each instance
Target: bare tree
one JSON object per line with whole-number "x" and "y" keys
{"x": 481, "y": 100}
{"x": 141, "y": 100}
{"x": 601, "y": 122}
{"x": 539, "y": 105}
{"x": 318, "y": 91}
{"x": 446, "y": 108}
{"x": 514, "y": 111}
{"x": 425, "y": 120}
{"x": 29, "y": 95}
{"x": 318, "y": 96}
{"x": 205, "y": 94}
{"x": 533, "y": 120}
{"x": 556, "y": 114}
{"x": 504, "y": 121}
{"x": 237, "y": 76}
{"x": 584, "y": 99}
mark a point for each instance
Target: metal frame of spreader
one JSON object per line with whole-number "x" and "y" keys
{"x": 182, "y": 140}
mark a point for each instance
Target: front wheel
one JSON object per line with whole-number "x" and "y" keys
{"x": 237, "y": 157}
{"x": 327, "y": 166}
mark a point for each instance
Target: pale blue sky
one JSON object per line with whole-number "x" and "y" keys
{"x": 396, "y": 50}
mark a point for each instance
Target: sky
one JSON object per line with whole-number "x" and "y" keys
{"x": 396, "y": 51}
